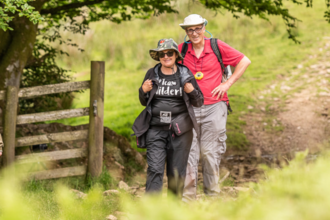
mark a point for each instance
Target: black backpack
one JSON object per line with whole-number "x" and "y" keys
{"x": 215, "y": 49}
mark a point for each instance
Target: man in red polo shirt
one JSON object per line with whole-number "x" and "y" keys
{"x": 212, "y": 116}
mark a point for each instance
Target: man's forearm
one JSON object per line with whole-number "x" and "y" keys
{"x": 239, "y": 70}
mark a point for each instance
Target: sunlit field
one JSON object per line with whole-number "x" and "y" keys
{"x": 124, "y": 48}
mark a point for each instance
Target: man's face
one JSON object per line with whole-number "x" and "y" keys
{"x": 196, "y": 33}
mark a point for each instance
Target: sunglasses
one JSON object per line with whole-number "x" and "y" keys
{"x": 162, "y": 54}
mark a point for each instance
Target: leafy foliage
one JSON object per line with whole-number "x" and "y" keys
{"x": 262, "y": 9}
{"x": 42, "y": 71}
{"x": 327, "y": 13}
{"x": 9, "y": 8}
{"x": 75, "y": 17}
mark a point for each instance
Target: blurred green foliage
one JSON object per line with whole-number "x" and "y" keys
{"x": 297, "y": 191}
{"x": 104, "y": 181}
{"x": 52, "y": 199}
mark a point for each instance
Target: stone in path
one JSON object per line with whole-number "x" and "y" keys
{"x": 111, "y": 217}
{"x": 79, "y": 195}
{"x": 110, "y": 192}
{"x": 123, "y": 185}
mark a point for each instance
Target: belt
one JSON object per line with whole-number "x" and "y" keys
{"x": 160, "y": 127}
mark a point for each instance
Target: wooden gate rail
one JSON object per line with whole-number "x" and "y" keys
{"x": 52, "y": 138}
{"x": 58, "y": 173}
{"x": 36, "y": 91}
{"x": 52, "y": 156}
{"x": 50, "y": 116}
{"x": 94, "y": 134}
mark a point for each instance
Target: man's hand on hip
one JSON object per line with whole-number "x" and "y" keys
{"x": 220, "y": 90}
{"x": 239, "y": 70}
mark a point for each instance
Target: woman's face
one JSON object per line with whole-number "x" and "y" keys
{"x": 167, "y": 57}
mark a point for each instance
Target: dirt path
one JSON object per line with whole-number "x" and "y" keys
{"x": 293, "y": 113}
{"x": 290, "y": 115}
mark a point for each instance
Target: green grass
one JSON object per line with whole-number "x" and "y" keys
{"x": 52, "y": 199}
{"x": 124, "y": 48}
{"x": 297, "y": 191}
{"x": 104, "y": 182}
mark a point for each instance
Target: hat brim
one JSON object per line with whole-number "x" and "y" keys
{"x": 154, "y": 53}
{"x": 184, "y": 26}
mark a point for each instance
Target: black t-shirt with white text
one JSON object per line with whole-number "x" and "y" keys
{"x": 168, "y": 101}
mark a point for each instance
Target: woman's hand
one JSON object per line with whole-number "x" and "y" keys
{"x": 188, "y": 88}
{"x": 147, "y": 86}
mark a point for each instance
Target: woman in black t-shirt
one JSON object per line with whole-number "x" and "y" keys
{"x": 165, "y": 127}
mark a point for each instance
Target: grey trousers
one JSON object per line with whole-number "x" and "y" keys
{"x": 211, "y": 144}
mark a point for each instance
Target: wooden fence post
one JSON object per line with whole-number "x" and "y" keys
{"x": 95, "y": 134}
{"x": 9, "y": 125}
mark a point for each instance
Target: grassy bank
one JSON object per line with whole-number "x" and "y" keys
{"x": 298, "y": 191}
{"x": 124, "y": 48}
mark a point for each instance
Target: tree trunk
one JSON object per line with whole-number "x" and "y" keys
{"x": 15, "y": 49}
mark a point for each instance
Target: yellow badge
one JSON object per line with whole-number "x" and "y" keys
{"x": 199, "y": 75}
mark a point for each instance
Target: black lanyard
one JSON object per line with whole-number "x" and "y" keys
{"x": 201, "y": 64}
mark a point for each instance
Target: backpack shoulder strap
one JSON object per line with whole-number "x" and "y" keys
{"x": 184, "y": 50}
{"x": 216, "y": 50}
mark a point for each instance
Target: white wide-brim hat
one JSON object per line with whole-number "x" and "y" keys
{"x": 192, "y": 20}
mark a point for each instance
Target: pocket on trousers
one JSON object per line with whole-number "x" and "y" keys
{"x": 222, "y": 142}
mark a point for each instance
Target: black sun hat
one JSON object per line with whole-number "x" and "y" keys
{"x": 165, "y": 44}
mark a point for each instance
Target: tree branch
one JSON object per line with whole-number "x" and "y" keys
{"x": 38, "y": 4}
{"x": 67, "y": 7}
{"x": 36, "y": 62}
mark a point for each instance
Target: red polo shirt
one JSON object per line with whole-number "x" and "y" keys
{"x": 209, "y": 65}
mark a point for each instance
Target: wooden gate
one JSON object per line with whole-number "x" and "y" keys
{"x": 94, "y": 134}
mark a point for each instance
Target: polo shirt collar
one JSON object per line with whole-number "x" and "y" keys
{"x": 207, "y": 48}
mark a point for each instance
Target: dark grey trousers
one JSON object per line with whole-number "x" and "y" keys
{"x": 163, "y": 146}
